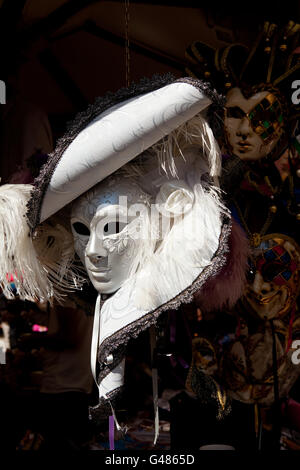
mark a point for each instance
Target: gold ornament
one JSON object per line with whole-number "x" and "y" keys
{"x": 298, "y": 172}
{"x": 283, "y": 47}
{"x": 298, "y": 216}
{"x": 255, "y": 239}
{"x": 273, "y": 209}
{"x": 267, "y": 47}
{"x": 221, "y": 397}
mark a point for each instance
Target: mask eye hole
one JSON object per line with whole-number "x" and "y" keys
{"x": 271, "y": 270}
{"x": 235, "y": 112}
{"x": 113, "y": 227}
{"x": 207, "y": 353}
{"x": 81, "y": 229}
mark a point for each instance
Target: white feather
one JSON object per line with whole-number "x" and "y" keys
{"x": 40, "y": 269}
{"x": 190, "y": 153}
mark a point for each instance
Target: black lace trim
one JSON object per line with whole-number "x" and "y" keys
{"x": 206, "y": 88}
{"x": 81, "y": 120}
{"x": 103, "y": 410}
{"x": 215, "y": 112}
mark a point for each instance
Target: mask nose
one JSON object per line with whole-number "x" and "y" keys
{"x": 95, "y": 250}
{"x": 244, "y": 130}
{"x": 260, "y": 286}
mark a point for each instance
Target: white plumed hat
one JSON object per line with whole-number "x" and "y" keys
{"x": 159, "y": 114}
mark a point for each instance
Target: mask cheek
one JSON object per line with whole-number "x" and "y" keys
{"x": 231, "y": 126}
{"x": 122, "y": 261}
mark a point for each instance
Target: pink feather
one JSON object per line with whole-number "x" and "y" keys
{"x": 224, "y": 289}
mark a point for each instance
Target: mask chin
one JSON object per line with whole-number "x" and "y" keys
{"x": 275, "y": 306}
{"x": 114, "y": 271}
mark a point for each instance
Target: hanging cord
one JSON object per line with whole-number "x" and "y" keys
{"x": 127, "y": 44}
{"x": 258, "y": 425}
{"x": 277, "y": 427}
{"x": 176, "y": 359}
{"x": 290, "y": 331}
{"x": 154, "y": 382}
{"x": 94, "y": 349}
{"x": 111, "y": 432}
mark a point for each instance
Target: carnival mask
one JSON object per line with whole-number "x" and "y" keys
{"x": 201, "y": 379}
{"x": 204, "y": 356}
{"x": 105, "y": 231}
{"x": 274, "y": 277}
{"x": 247, "y": 366}
{"x": 147, "y": 275}
{"x": 253, "y": 126}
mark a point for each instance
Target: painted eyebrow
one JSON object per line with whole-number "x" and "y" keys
{"x": 234, "y": 106}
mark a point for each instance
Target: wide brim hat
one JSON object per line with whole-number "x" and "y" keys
{"x": 112, "y": 132}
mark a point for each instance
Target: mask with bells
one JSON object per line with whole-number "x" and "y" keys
{"x": 238, "y": 356}
{"x": 247, "y": 366}
{"x": 257, "y": 83}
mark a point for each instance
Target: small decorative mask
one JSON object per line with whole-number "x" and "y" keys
{"x": 274, "y": 277}
{"x": 253, "y": 126}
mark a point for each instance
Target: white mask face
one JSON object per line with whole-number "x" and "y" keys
{"x": 99, "y": 222}
{"x": 248, "y": 126}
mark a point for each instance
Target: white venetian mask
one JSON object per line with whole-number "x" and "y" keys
{"x": 100, "y": 222}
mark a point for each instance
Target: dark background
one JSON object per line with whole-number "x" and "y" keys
{"x": 61, "y": 54}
